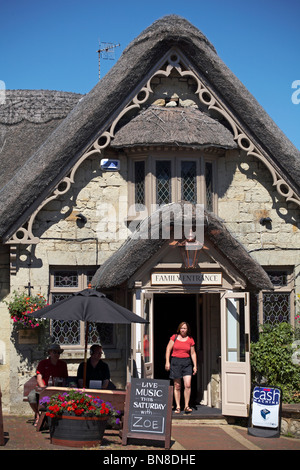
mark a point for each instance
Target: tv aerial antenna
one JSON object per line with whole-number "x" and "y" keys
{"x": 106, "y": 51}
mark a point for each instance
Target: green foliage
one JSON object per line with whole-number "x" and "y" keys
{"x": 271, "y": 360}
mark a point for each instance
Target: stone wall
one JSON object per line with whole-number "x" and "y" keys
{"x": 246, "y": 195}
{"x": 64, "y": 241}
{"x": 5, "y": 345}
{"x": 290, "y": 422}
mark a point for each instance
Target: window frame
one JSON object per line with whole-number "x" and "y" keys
{"x": 83, "y": 282}
{"x": 198, "y": 177}
{"x": 175, "y": 157}
{"x": 289, "y": 288}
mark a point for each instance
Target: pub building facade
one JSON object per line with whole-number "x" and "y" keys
{"x": 168, "y": 188}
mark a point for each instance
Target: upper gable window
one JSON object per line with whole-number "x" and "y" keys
{"x": 158, "y": 179}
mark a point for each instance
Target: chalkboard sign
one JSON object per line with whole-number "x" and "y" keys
{"x": 265, "y": 412}
{"x": 148, "y": 410}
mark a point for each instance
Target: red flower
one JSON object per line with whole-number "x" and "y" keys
{"x": 78, "y": 404}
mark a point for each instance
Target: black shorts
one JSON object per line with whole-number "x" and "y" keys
{"x": 180, "y": 366}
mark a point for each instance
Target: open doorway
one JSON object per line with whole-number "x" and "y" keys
{"x": 169, "y": 311}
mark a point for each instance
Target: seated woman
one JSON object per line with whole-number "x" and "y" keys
{"x": 96, "y": 369}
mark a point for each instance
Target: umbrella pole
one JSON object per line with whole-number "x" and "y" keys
{"x": 85, "y": 353}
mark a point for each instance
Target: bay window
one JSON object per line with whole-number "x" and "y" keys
{"x": 158, "y": 179}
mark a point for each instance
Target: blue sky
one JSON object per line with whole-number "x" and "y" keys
{"x": 53, "y": 45}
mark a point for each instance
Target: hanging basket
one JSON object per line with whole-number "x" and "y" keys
{"x": 77, "y": 431}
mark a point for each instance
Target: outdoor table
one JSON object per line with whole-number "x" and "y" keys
{"x": 115, "y": 397}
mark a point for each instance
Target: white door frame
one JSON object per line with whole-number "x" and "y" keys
{"x": 143, "y": 302}
{"x": 236, "y": 373}
{"x": 148, "y": 330}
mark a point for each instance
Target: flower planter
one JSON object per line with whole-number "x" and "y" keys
{"x": 77, "y": 431}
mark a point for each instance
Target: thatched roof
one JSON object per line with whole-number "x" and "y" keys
{"x": 52, "y": 160}
{"x": 173, "y": 126}
{"x": 147, "y": 240}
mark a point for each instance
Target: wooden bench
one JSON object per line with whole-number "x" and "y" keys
{"x": 115, "y": 397}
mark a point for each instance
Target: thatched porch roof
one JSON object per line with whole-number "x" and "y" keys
{"x": 145, "y": 242}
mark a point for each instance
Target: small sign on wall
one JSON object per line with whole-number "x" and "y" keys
{"x": 110, "y": 165}
{"x": 195, "y": 278}
{"x": 28, "y": 336}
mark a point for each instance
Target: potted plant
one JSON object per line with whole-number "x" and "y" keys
{"x": 78, "y": 419}
{"x": 21, "y": 305}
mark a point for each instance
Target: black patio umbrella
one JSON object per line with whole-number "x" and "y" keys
{"x": 88, "y": 305}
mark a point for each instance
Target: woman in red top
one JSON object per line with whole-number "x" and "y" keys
{"x": 183, "y": 364}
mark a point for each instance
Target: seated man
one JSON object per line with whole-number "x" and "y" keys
{"x": 96, "y": 369}
{"x": 51, "y": 367}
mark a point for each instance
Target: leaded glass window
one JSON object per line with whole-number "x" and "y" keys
{"x": 104, "y": 332}
{"x": 163, "y": 182}
{"x": 139, "y": 178}
{"x": 278, "y": 278}
{"x": 188, "y": 182}
{"x": 209, "y": 185}
{"x": 156, "y": 181}
{"x": 276, "y": 307}
{"x": 66, "y": 279}
{"x": 64, "y": 332}
{"x": 72, "y": 333}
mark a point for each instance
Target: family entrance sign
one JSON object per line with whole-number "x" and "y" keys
{"x": 265, "y": 413}
{"x": 148, "y": 411}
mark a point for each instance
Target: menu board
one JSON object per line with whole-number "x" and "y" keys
{"x": 148, "y": 409}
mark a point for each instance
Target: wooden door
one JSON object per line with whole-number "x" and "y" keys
{"x": 235, "y": 360}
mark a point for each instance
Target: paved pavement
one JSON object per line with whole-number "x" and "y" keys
{"x": 187, "y": 437}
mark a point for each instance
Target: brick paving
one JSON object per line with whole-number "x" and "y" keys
{"x": 228, "y": 437}
{"x": 282, "y": 443}
{"x": 205, "y": 438}
{"x": 20, "y": 434}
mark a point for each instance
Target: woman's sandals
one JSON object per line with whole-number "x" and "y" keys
{"x": 187, "y": 410}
